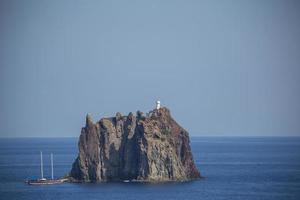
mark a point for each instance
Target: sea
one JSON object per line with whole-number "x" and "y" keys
{"x": 254, "y": 168}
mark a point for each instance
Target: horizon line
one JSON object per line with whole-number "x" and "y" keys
{"x": 191, "y": 136}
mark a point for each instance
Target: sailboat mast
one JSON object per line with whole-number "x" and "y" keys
{"x": 52, "y": 166}
{"x": 42, "y": 173}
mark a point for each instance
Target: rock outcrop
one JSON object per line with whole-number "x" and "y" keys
{"x": 138, "y": 148}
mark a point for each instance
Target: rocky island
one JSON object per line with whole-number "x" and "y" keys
{"x": 151, "y": 148}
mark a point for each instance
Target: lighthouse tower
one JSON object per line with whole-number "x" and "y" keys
{"x": 158, "y": 105}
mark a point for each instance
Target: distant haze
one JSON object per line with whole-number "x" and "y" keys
{"x": 223, "y": 68}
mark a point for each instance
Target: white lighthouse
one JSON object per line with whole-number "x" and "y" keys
{"x": 158, "y": 105}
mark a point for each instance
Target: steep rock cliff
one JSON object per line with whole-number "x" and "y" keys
{"x": 142, "y": 148}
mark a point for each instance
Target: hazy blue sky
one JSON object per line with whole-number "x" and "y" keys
{"x": 222, "y": 67}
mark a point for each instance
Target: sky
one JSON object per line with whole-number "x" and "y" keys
{"x": 223, "y": 67}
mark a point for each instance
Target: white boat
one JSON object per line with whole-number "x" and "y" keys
{"x": 44, "y": 181}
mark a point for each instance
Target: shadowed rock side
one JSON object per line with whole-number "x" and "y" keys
{"x": 153, "y": 148}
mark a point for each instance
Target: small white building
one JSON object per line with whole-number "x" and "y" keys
{"x": 157, "y": 104}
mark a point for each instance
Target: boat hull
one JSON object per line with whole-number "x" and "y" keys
{"x": 45, "y": 182}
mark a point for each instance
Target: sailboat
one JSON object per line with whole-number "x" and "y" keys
{"x": 43, "y": 180}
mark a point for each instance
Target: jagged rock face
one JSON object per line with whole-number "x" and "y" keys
{"x": 152, "y": 148}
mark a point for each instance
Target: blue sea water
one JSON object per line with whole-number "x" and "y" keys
{"x": 233, "y": 167}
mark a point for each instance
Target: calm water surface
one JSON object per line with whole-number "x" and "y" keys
{"x": 234, "y": 168}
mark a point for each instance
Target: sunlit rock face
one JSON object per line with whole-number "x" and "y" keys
{"x": 135, "y": 147}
